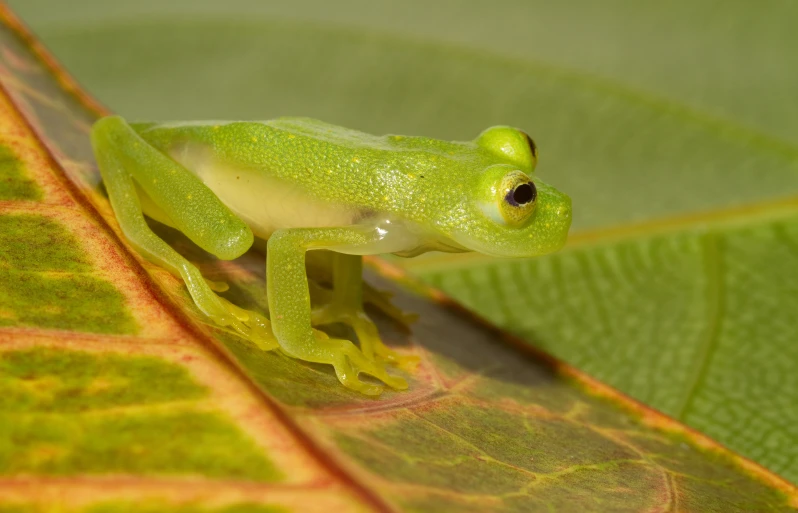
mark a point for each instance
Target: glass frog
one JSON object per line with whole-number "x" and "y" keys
{"x": 302, "y": 185}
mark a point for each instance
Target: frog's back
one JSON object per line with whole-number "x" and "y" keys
{"x": 299, "y": 172}
{"x": 331, "y": 163}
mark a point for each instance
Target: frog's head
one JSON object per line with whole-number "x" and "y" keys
{"x": 511, "y": 213}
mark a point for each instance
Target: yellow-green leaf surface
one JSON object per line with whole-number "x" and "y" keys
{"x": 671, "y": 124}
{"x": 116, "y": 396}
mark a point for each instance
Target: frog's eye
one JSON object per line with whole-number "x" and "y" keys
{"x": 533, "y": 149}
{"x": 516, "y": 195}
{"x": 510, "y": 144}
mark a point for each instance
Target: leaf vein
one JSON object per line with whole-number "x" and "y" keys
{"x": 712, "y": 249}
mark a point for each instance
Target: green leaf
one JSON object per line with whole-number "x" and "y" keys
{"x": 486, "y": 425}
{"x": 679, "y": 117}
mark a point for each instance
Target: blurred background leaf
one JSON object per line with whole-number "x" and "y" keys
{"x": 674, "y": 127}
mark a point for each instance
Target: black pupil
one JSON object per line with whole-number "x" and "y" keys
{"x": 524, "y": 193}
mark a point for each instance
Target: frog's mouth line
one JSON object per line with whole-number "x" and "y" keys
{"x": 442, "y": 246}
{"x": 515, "y": 250}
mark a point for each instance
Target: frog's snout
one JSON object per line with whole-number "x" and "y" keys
{"x": 549, "y": 231}
{"x": 545, "y": 231}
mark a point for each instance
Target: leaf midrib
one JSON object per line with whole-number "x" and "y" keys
{"x": 87, "y": 207}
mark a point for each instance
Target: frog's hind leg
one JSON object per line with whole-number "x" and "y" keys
{"x": 345, "y": 305}
{"x": 122, "y": 156}
{"x": 320, "y": 270}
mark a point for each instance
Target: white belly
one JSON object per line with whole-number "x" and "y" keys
{"x": 266, "y": 204}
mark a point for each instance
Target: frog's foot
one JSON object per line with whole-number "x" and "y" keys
{"x": 257, "y": 328}
{"x": 217, "y": 286}
{"x": 349, "y": 363}
{"x": 381, "y": 300}
{"x": 370, "y": 342}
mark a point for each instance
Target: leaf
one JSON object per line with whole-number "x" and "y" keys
{"x": 673, "y": 127}
{"x": 147, "y": 407}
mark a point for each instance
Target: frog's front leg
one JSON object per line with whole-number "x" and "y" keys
{"x": 346, "y": 306}
{"x": 289, "y": 305}
{"x": 180, "y": 197}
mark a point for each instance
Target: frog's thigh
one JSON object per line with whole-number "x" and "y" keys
{"x": 115, "y": 170}
{"x": 127, "y": 208}
{"x": 289, "y": 305}
{"x": 191, "y": 206}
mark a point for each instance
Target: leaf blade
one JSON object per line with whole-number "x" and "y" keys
{"x": 475, "y": 385}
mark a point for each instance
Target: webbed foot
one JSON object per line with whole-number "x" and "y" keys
{"x": 257, "y": 328}
{"x": 371, "y": 344}
{"x": 249, "y": 325}
{"x": 349, "y": 363}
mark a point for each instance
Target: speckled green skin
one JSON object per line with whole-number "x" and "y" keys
{"x": 434, "y": 183}
{"x": 305, "y": 185}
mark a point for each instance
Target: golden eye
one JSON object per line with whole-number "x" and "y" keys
{"x": 517, "y": 195}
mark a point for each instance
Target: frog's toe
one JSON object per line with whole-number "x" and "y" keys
{"x": 349, "y": 363}
{"x": 251, "y": 325}
{"x": 371, "y": 344}
{"x": 406, "y": 362}
{"x": 261, "y": 333}
{"x": 217, "y": 286}
{"x": 375, "y": 368}
{"x": 348, "y": 377}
